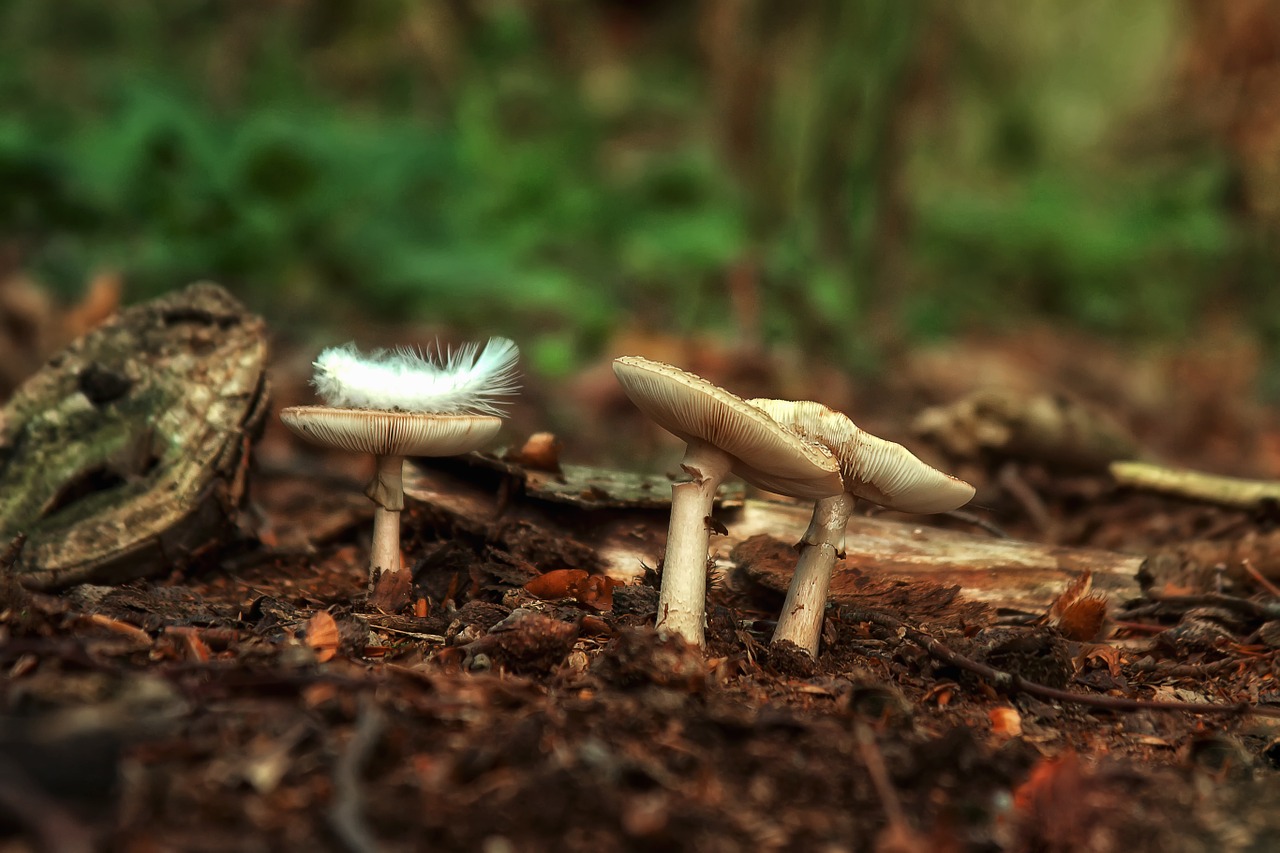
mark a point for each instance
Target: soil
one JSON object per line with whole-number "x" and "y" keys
{"x": 257, "y": 701}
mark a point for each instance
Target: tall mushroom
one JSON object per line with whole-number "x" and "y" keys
{"x": 724, "y": 435}
{"x": 873, "y": 469}
{"x": 398, "y": 404}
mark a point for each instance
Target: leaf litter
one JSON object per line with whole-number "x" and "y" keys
{"x": 523, "y": 702}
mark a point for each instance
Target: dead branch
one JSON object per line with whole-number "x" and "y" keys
{"x": 1196, "y": 485}
{"x": 1004, "y": 573}
{"x": 1245, "y": 606}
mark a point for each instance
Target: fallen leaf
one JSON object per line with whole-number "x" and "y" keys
{"x": 391, "y": 591}
{"x": 1078, "y": 614}
{"x": 124, "y": 629}
{"x": 560, "y": 583}
{"x": 594, "y": 626}
{"x": 1075, "y": 590}
{"x": 1108, "y": 655}
{"x": 540, "y": 453}
{"x": 596, "y": 591}
{"x": 101, "y": 299}
{"x": 940, "y": 693}
{"x": 1053, "y": 804}
{"x": 196, "y": 648}
{"x": 322, "y": 635}
{"x": 900, "y": 838}
{"x": 1006, "y": 721}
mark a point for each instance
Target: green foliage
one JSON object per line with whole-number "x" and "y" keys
{"x": 555, "y": 171}
{"x": 1131, "y": 257}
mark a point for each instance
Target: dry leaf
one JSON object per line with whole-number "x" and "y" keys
{"x": 540, "y": 453}
{"x": 594, "y": 626}
{"x": 597, "y": 591}
{"x": 101, "y": 299}
{"x": 196, "y": 647}
{"x": 900, "y": 838}
{"x": 322, "y": 635}
{"x": 1078, "y": 614}
{"x": 940, "y": 694}
{"x": 1006, "y": 721}
{"x": 1052, "y": 803}
{"x": 391, "y": 591}
{"x": 1108, "y": 655}
{"x": 560, "y": 583}
{"x": 1074, "y": 592}
{"x": 124, "y": 629}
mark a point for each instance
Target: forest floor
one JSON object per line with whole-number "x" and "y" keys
{"x": 258, "y": 701}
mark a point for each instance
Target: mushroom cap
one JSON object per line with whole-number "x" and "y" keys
{"x": 764, "y": 453}
{"x": 873, "y": 468}
{"x": 391, "y": 433}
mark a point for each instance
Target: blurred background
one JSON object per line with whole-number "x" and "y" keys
{"x": 837, "y": 181}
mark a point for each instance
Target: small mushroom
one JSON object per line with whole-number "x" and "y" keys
{"x": 446, "y": 409}
{"x": 872, "y": 468}
{"x": 724, "y": 435}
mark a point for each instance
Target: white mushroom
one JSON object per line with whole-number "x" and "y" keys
{"x": 439, "y": 399}
{"x": 873, "y": 469}
{"x": 724, "y": 435}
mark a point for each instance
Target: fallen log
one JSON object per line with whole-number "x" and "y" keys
{"x": 621, "y": 540}
{"x": 1006, "y": 574}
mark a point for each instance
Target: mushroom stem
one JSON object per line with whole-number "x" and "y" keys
{"x": 682, "y": 601}
{"x": 801, "y": 619}
{"x": 386, "y": 490}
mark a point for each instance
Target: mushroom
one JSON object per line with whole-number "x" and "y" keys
{"x": 872, "y": 468}
{"x": 398, "y": 404}
{"x": 724, "y": 435}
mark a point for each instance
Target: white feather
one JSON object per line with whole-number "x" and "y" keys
{"x": 462, "y": 381}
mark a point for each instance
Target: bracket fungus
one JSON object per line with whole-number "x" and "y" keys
{"x": 724, "y": 434}
{"x": 400, "y": 403}
{"x": 872, "y": 468}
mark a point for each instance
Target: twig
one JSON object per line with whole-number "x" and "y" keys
{"x": 977, "y": 521}
{"x": 347, "y": 815}
{"x": 1012, "y": 482}
{"x": 1011, "y": 682}
{"x": 1272, "y": 589}
{"x": 373, "y": 625}
{"x": 879, "y": 776}
{"x": 1183, "y": 670}
{"x": 898, "y": 836}
{"x": 217, "y": 637}
{"x": 371, "y": 620}
{"x": 1196, "y": 485}
{"x": 1248, "y": 607}
{"x": 124, "y": 629}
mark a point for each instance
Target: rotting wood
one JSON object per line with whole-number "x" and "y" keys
{"x": 128, "y": 453}
{"x": 1004, "y": 573}
{"x": 474, "y": 500}
{"x": 588, "y": 487}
